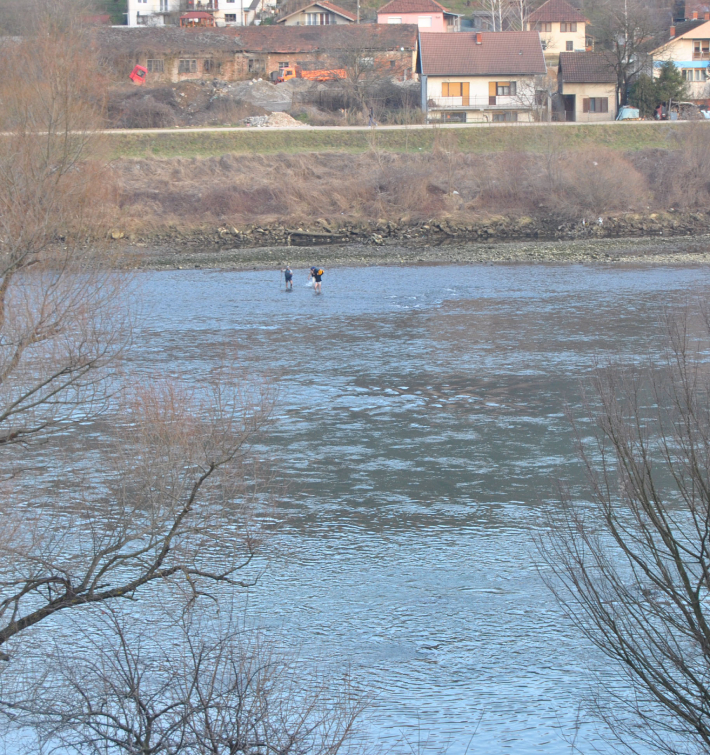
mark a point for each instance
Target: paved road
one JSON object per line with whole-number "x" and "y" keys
{"x": 227, "y": 129}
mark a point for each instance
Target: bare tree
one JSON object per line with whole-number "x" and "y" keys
{"x": 147, "y": 502}
{"x": 626, "y": 31}
{"x": 632, "y": 568}
{"x": 199, "y": 686}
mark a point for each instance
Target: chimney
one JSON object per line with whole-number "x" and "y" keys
{"x": 672, "y": 32}
{"x": 695, "y": 15}
{"x": 707, "y": 16}
{"x": 479, "y": 38}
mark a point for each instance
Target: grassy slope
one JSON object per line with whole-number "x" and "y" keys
{"x": 621, "y": 136}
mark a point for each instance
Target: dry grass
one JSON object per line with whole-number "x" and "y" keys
{"x": 377, "y": 184}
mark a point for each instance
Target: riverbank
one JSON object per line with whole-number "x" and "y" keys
{"x": 661, "y": 250}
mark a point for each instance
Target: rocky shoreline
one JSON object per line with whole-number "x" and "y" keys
{"x": 659, "y": 238}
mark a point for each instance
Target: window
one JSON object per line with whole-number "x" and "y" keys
{"x": 456, "y": 89}
{"x": 366, "y": 63}
{"x": 394, "y": 20}
{"x": 695, "y": 74}
{"x": 568, "y": 27}
{"x": 255, "y": 65}
{"x": 187, "y": 66}
{"x": 701, "y": 49}
{"x": 155, "y": 66}
{"x": 283, "y": 64}
{"x": 544, "y": 26}
{"x": 505, "y": 117}
{"x": 569, "y": 45}
{"x": 424, "y": 21}
{"x": 595, "y": 105}
{"x": 318, "y": 19}
{"x": 163, "y": 6}
{"x": 506, "y": 88}
{"x": 454, "y": 117}
{"x": 208, "y": 65}
{"x": 230, "y": 18}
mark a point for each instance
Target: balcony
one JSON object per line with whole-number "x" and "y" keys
{"x": 205, "y": 5}
{"x": 701, "y": 54}
{"x": 479, "y": 103}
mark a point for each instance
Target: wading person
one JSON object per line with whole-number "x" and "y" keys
{"x": 288, "y": 277}
{"x": 316, "y": 274}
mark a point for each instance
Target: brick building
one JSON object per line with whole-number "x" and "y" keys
{"x": 234, "y": 54}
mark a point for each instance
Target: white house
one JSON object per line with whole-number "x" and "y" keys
{"x": 561, "y": 26}
{"x": 586, "y": 82}
{"x": 688, "y": 46}
{"x": 480, "y": 76}
{"x": 168, "y": 12}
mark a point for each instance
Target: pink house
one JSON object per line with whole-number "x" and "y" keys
{"x": 428, "y": 15}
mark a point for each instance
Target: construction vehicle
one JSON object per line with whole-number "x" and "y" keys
{"x": 323, "y": 74}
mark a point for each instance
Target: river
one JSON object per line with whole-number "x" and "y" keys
{"x": 420, "y": 430}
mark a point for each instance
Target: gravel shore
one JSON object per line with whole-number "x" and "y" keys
{"x": 686, "y": 250}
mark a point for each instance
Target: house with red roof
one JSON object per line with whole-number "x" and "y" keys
{"x": 320, "y": 13}
{"x": 562, "y": 28}
{"x": 428, "y": 15}
{"x": 489, "y": 77}
{"x": 586, "y": 84}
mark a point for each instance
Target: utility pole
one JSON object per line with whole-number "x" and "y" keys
{"x": 358, "y": 11}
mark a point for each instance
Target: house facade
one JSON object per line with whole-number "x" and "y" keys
{"x": 688, "y": 46}
{"x": 428, "y": 15}
{"x": 320, "y": 13}
{"x": 488, "y": 77}
{"x": 173, "y": 54}
{"x": 586, "y": 84}
{"x": 561, "y": 26}
{"x": 169, "y": 12}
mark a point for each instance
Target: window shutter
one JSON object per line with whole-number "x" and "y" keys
{"x": 492, "y": 88}
{"x": 605, "y": 104}
{"x": 585, "y": 105}
{"x": 445, "y": 89}
{"x": 513, "y": 88}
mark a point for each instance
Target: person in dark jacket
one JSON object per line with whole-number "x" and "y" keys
{"x": 316, "y": 275}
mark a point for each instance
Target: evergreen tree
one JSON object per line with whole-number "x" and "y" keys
{"x": 670, "y": 85}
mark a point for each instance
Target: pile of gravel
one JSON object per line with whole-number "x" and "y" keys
{"x": 275, "y": 120}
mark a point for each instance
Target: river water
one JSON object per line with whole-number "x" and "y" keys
{"x": 420, "y": 431}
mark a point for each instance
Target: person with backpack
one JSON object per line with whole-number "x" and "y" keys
{"x": 316, "y": 274}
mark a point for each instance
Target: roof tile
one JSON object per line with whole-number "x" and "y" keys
{"x": 556, "y": 11}
{"x": 413, "y": 6}
{"x": 586, "y": 68}
{"x": 275, "y": 39}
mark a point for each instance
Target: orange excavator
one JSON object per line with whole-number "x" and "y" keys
{"x": 296, "y": 72}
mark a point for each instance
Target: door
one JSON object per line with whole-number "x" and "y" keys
{"x": 464, "y": 94}
{"x": 568, "y": 100}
